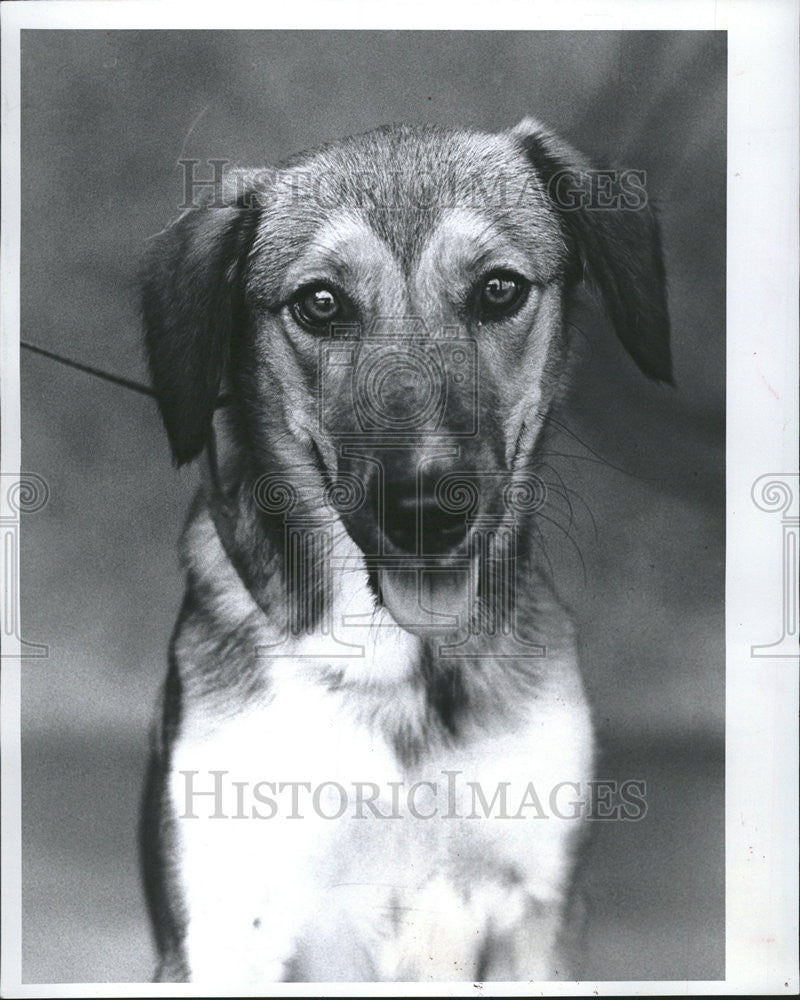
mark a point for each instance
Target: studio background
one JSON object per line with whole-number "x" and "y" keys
{"x": 105, "y": 118}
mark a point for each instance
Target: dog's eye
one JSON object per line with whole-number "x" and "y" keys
{"x": 500, "y": 294}
{"x": 316, "y": 306}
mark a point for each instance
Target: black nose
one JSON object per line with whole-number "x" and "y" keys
{"x": 417, "y": 524}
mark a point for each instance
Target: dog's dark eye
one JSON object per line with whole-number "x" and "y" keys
{"x": 316, "y": 306}
{"x": 500, "y": 294}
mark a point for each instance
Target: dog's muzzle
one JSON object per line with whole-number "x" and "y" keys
{"x": 414, "y": 521}
{"x": 414, "y": 528}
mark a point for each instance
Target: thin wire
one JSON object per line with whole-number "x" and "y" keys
{"x": 89, "y": 369}
{"x": 126, "y": 383}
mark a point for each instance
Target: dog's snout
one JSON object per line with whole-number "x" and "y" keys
{"x": 415, "y": 522}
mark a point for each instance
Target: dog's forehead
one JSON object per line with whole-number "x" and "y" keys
{"x": 405, "y": 180}
{"x": 405, "y": 184}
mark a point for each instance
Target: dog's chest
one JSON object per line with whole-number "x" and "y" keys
{"x": 298, "y": 817}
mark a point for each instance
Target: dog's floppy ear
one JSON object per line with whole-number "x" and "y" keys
{"x": 615, "y": 242}
{"x": 193, "y": 306}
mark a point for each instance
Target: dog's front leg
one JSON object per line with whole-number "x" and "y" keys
{"x": 242, "y": 875}
{"x": 531, "y": 949}
{"x": 242, "y": 918}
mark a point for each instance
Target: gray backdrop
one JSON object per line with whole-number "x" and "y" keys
{"x": 105, "y": 117}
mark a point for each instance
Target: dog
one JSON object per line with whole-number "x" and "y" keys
{"x": 373, "y": 706}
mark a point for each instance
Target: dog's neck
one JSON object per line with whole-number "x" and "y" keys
{"x": 312, "y": 611}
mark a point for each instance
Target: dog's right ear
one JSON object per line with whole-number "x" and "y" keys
{"x": 193, "y": 309}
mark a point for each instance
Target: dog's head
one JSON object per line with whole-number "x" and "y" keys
{"x": 389, "y": 312}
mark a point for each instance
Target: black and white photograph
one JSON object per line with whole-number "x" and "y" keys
{"x": 399, "y": 500}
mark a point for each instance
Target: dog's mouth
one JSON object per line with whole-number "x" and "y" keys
{"x": 428, "y": 541}
{"x": 428, "y": 566}
{"x": 419, "y": 569}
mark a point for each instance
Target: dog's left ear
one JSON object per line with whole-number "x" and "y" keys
{"x": 617, "y": 245}
{"x": 193, "y": 309}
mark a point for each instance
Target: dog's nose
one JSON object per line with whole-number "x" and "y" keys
{"x": 418, "y": 524}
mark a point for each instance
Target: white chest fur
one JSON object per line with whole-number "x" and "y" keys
{"x": 303, "y": 838}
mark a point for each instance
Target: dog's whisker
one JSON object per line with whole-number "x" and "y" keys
{"x": 556, "y": 491}
{"x": 596, "y": 458}
{"x": 542, "y": 546}
{"x": 564, "y": 491}
{"x": 586, "y": 507}
{"x": 566, "y": 535}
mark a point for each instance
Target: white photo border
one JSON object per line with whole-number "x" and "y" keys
{"x": 762, "y": 439}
